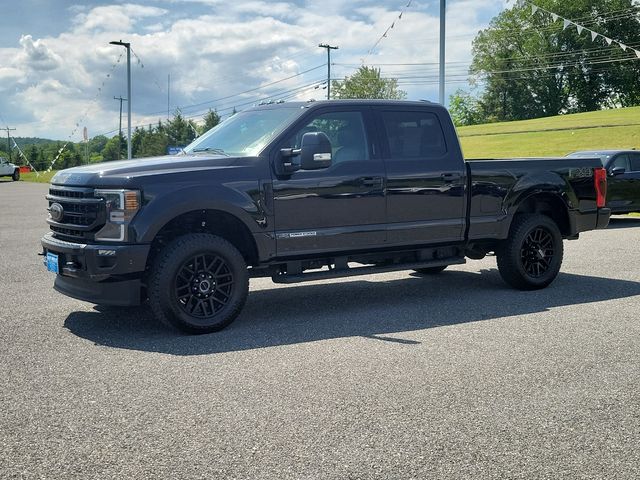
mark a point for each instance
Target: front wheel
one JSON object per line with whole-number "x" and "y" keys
{"x": 531, "y": 257}
{"x": 16, "y": 175}
{"x": 198, "y": 284}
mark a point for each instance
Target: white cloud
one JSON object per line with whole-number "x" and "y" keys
{"x": 114, "y": 18}
{"x": 37, "y": 56}
{"x": 224, "y": 49}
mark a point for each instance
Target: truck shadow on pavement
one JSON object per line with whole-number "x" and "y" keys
{"x": 372, "y": 309}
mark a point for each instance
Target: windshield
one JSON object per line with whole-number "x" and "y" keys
{"x": 244, "y": 134}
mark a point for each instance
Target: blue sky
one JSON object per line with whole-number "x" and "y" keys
{"x": 58, "y": 72}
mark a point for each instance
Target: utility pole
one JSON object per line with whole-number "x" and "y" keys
{"x": 120, "y": 125}
{"x": 329, "y": 48}
{"x": 168, "y": 93}
{"x": 8, "y": 140}
{"x": 128, "y": 47}
{"x": 443, "y": 11}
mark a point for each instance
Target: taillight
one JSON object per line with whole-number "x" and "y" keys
{"x": 600, "y": 182}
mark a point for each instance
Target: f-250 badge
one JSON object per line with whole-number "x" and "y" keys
{"x": 585, "y": 172}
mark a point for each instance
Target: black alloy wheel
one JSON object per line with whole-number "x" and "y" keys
{"x": 531, "y": 257}
{"x": 537, "y": 252}
{"x": 204, "y": 285}
{"x": 198, "y": 283}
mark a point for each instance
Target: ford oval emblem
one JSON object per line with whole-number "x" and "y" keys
{"x": 56, "y": 211}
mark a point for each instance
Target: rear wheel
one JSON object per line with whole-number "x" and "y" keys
{"x": 531, "y": 257}
{"x": 198, "y": 284}
{"x": 16, "y": 175}
{"x": 430, "y": 270}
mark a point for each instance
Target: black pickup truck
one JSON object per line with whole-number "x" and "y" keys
{"x": 308, "y": 191}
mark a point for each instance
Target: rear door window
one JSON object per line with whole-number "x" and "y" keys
{"x": 414, "y": 135}
{"x": 635, "y": 162}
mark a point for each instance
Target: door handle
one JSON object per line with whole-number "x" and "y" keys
{"x": 451, "y": 176}
{"x": 372, "y": 181}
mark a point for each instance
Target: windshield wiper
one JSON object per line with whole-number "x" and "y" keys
{"x": 210, "y": 149}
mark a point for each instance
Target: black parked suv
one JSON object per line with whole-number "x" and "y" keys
{"x": 307, "y": 191}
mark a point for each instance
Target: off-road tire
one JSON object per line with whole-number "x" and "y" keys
{"x": 531, "y": 257}
{"x": 173, "y": 291}
{"x": 430, "y": 270}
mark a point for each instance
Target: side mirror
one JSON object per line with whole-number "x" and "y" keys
{"x": 315, "y": 152}
{"x": 615, "y": 171}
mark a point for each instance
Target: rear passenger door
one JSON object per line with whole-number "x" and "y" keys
{"x": 425, "y": 176}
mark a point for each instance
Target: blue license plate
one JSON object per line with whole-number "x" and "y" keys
{"x": 52, "y": 262}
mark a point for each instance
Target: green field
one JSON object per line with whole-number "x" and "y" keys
{"x": 553, "y": 136}
{"x": 43, "y": 177}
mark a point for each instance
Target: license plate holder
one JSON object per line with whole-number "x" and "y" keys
{"x": 52, "y": 262}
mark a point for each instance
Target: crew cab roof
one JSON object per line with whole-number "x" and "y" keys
{"x": 350, "y": 102}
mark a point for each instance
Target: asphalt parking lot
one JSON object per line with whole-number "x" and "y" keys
{"x": 385, "y": 376}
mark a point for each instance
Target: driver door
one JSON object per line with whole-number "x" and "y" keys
{"x": 339, "y": 208}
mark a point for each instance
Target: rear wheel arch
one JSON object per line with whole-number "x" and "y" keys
{"x": 550, "y": 205}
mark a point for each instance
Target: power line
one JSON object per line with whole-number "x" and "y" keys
{"x": 8, "y": 139}
{"x": 185, "y": 107}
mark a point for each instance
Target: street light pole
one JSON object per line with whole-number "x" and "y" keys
{"x": 329, "y": 48}
{"x": 128, "y": 47}
{"x": 443, "y": 10}
{"x": 120, "y": 125}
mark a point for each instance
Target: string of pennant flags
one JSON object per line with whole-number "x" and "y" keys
{"x": 24, "y": 157}
{"x": 389, "y": 28}
{"x": 86, "y": 113}
{"x": 141, "y": 65}
{"x": 566, "y": 23}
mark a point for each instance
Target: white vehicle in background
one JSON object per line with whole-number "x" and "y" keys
{"x": 9, "y": 169}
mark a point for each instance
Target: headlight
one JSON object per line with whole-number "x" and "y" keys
{"x": 121, "y": 206}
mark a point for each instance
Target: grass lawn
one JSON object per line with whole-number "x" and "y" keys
{"x": 44, "y": 177}
{"x": 553, "y": 136}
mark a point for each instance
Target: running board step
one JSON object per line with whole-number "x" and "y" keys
{"x": 366, "y": 270}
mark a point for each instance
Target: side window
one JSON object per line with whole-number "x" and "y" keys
{"x": 345, "y": 131}
{"x": 414, "y": 135}
{"x": 635, "y": 162}
{"x": 621, "y": 161}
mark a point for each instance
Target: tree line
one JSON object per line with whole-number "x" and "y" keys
{"x": 530, "y": 66}
{"x": 145, "y": 142}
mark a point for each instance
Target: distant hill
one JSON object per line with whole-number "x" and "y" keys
{"x": 553, "y": 136}
{"x": 22, "y": 141}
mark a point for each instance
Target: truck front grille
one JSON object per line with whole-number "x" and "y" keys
{"x": 82, "y": 214}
